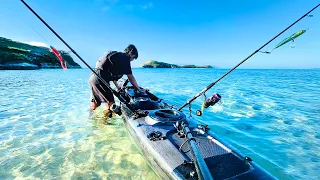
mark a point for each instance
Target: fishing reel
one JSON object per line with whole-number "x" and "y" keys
{"x": 209, "y": 102}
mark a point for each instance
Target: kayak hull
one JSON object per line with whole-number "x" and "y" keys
{"x": 168, "y": 152}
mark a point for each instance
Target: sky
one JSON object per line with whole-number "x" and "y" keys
{"x": 208, "y": 32}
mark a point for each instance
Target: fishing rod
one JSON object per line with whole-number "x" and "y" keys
{"x": 74, "y": 52}
{"x": 212, "y": 84}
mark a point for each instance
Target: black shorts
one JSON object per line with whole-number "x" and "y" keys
{"x": 100, "y": 93}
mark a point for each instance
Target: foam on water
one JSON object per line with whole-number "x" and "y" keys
{"x": 45, "y": 132}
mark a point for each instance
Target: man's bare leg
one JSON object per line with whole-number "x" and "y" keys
{"x": 94, "y": 106}
{"x": 107, "y": 112}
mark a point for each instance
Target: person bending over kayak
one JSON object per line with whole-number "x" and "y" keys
{"x": 111, "y": 67}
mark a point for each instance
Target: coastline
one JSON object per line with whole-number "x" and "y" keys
{"x": 29, "y": 66}
{"x": 158, "y": 64}
{"x": 16, "y": 55}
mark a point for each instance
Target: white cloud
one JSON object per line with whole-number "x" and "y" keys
{"x": 111, "y": 1}
{"x": 146, "y": 6}
{"x": 129, "y": 6}
{"x": 105, "y": 8}
{"x": 106, "y": 4}
{"x": 105, "y": 1}
{"x": 35, "y": 43}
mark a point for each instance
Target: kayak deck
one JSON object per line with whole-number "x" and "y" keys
{"x": 168, "y": 153}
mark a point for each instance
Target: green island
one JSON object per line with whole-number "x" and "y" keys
{"x": 157, "y": 64}
{"x": 16, "y": 55}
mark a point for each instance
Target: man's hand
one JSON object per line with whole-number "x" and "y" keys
{"x": 116, "y": 85}
{"x": 142, "y": 90}
{"x": 133, "y": 82}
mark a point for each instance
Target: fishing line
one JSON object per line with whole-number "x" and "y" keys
{"x": 291, "y": 38}
{"x": 25, "y": 22}
{"x": 51, "y": 49}
{"x": 84, "y": 62}
{"x": 256, "y": 51}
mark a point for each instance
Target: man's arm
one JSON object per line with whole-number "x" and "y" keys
{"x": 116, "y": 85}
{"x": 134, "y": 82}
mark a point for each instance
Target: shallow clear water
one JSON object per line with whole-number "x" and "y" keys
{"x": 270, "y": 115}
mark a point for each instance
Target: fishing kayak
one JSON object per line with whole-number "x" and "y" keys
{"x": 175, "y": 146}
{"x": 169, "y": 153}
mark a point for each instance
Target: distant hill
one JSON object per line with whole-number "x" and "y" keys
{"x": 157, "y": 64}
{"x": 18, "y": 55}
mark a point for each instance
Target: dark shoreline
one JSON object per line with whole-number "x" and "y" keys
{"x": 28, "y": 66}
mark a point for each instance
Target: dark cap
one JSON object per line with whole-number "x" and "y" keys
{"x": 133, "y": 49}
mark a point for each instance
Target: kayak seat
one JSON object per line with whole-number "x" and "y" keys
{"x": 164, "y": 117}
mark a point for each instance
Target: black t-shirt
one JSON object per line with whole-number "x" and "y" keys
{"x": 119, "y": 65}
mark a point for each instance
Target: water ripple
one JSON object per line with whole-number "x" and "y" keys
{"x": 270, "y": 115}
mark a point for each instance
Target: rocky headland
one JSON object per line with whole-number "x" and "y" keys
{"x": 16, "y": 55}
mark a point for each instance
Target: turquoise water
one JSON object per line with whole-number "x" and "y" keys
{"x": 45, "y": 133}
